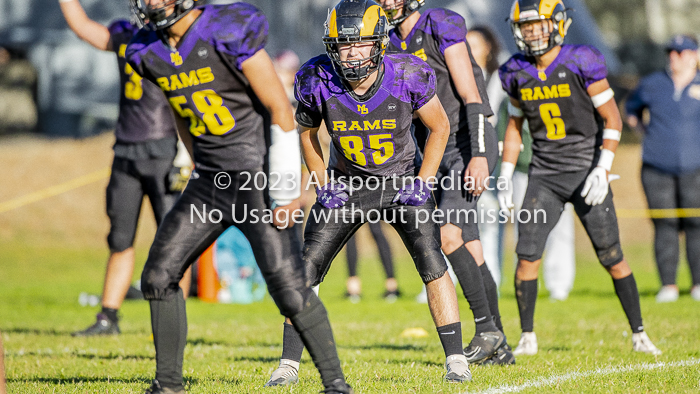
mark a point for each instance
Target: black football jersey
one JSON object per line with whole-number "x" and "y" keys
{"x": 436, "y": 30}
{"x": 565, "y": 127}
{"x": 144, "y": 112}
{"x": 370, "y": 137}
{"x": 203, "y": 81}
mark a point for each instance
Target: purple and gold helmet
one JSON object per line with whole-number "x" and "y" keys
{"x": 407, "y": 6}
{"x": 524, "y": 11}
{"x": 155, "y": 16}
{"x": 356, "y": 21}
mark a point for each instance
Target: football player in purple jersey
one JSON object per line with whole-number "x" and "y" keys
{"x": 144, "y": 151}
{"x": 563, "y": 92}
{"x": 438, "y": 36}
{"x": 367, "y": 101}
{"x": 211, "y": 63}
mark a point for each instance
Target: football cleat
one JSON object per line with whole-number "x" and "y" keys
{"x": 504, "y": 356}
{"x": 642, "y": 343}
{"x": 667, "y": 294}
{"x": 156, "y": 388}
{"x": 287, "y": 373}
{"x": 695, "y": 292}
{"x": 457, "y": 369}
{"x": 391, "y": 296}
{"x": 527, "y": 346}
{"x": 483, "y": 346}
{"x": 103, "y": 326}
{"x": 339, "y": 386}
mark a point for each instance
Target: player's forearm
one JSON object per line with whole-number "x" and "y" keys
{"x": 462, "y": 74}
{"x": 313, "y": 156}
{"x": 85, "y": 28}
{"x": 434, "y": 149}
{"x": 184, "y": 132}
{"x": 613, "y": 125}
{"x": 512, "y": 140}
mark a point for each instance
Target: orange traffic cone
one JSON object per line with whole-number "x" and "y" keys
{"x": 208, "y": 280}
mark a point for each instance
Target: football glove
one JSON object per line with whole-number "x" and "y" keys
{"x": 505, "y": 195}
{"x": 332, "y": 195}
{"x": 415, "y": 194}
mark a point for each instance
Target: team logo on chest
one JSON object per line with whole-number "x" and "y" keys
{"x": 175, "y": 58}
{"x": 403, "y": 46}
{"x": 203, "y": 53}
{"x": 362, "y": 109}
{"x": 419, "y": 40}
{"x": 542, "y": 76}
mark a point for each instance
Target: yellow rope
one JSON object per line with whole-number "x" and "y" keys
{"x": 658, "y": 213}
{"x": 54, "y": 190}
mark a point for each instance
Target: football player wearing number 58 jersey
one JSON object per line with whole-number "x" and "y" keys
{"x": 144, "y": 151}
{"x": 562, "y": 91}
{"x": 211, "y": 63}
{"x": 367, "y": 100}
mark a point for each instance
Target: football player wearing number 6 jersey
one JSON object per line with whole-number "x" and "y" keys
{"x": 143, "y": 157}
{"x": 211, "y": 63}
{"x": 560, "y": 90}
{"x": 367, "y": 100}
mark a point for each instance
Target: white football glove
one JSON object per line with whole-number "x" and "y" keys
{"x": 505, "y": 195}
{"x": 284, "y": 157}
{"x": 596, "y": 187}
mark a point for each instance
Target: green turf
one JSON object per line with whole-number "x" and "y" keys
{"x": 233, "y": 348}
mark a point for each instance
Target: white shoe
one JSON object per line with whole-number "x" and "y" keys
{"x": 667, "y": 294}
{"x": 642, "y": 343}
{"x": 558, "y": 295}
{"x": 457, "y": 369}
{"x": 695, "y": 292}
{"x": 287, "y": 373}
{"x": 527, "y": 345}
{"x": 422, "y": 298}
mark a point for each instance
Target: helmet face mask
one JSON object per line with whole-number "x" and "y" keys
{"x": 356, "y": 22}
{"x": 401, "y": 10}
{"x": 161, "y": 15}
{"x": 538, "y": 28}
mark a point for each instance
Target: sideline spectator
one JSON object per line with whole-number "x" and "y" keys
{"x": 671, "y": 158}
{"x": 18, "y": 111}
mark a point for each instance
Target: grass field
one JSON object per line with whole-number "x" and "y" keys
{"x": 50, "y": 251}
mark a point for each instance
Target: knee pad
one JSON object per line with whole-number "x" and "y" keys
{"x": 291, "y": 301}
{"x": 156, "y": 284}
{"x": 611, "y": 255}
{"x": 119, "y": 240}
{"x": 312, "y": 314}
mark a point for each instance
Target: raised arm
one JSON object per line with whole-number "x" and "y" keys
{"x": 85, "y": 28}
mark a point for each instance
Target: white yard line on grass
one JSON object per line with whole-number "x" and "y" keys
{"x": 557, "y": 379}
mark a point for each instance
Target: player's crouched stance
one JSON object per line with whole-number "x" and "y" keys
{"x": 367, "y": 101}
{"x": 211, "y": 64}
{"x": 558, "y": 89}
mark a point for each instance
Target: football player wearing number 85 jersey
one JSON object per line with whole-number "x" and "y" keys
{"x": 562, "y": 91}
{"x": 211, "y": 63}
{"x": 367, "y": 100}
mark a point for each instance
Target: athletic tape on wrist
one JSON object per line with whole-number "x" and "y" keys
{"x": 285, "y": 162}
{"x": 602, "y": 97}
{"x": 507, "y": 170}
{"x": 606, "y": 159}
{"x": 475, "y": 124}
{"x": 515, "y": 111}
{"x": 612, "y": 134}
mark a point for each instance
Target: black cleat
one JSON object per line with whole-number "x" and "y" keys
{"x": 504, "y": 356}
{"x": 156, "y": 388}
{"x": 483, "y": 346}
{"x": 339, "y": 386}
{"x": 391, "y": 296}
{"x": 103, "y": 326}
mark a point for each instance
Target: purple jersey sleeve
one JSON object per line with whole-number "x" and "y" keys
{"x": 122, "y": 26}
{"x": 240, "y": 31}
{"x": 590, "y": 62}
{"x": 138, "y": 47}
{"x": 448, "y": 28}
{"x": 306, "y": 91}
{"x": 414, "y": 80}
{"x": 508, "y": 73}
